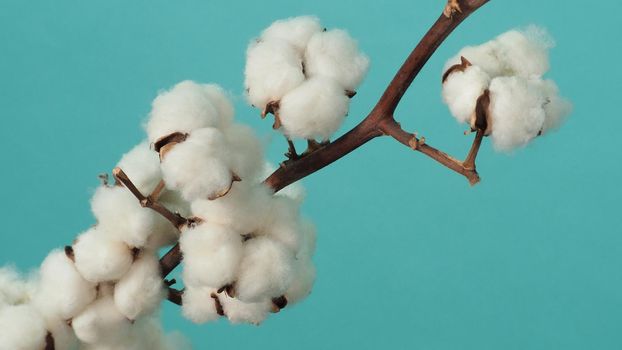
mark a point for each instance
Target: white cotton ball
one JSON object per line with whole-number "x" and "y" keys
{"x": 197, "y": 167}
{"x": 63, "y": 291}
{"x": 62, "y": 333}
{"x": 241, "y": 312}
{"x": 142, "y": 166}
{"x": 212, "y": 254}
{"x": 334, "y": 54}
{"x": 484, "y": 56}
{"x": 266, "y": 270}
{"x": 525, "y": 53}
{"x": 141, "y": 289}
{"x": 516, "y": 107}
{"x": 199, "y": 305}
{"x": 462, "y": 89}
{"x": 221, "y": 101}
{"x": 184, "y": 108}
{"x": 99, "y": 257}
{"x": 556, "y": 107}
{"x": 314, "y": 110}
{"x": 21, "y": 328}
{"x": 101, "y": 322}
{"x": 13, "y": 289}
{"x": 283, "y": 223}
{"x": 244, "y": 209}
{"x": 295, "y": 30}
{"x": 125, "y": 219}
{"x": 302, "y": 281}
{"x": 246, "y": 157}
{"x": 273, "y": 68}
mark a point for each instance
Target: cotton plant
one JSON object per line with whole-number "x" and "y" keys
{"x": 200, "y": 185}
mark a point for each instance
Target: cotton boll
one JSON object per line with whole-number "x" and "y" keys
{"x": 63, "y": 291}
{"x": 99, "y": 257}
{"x": 314, "y": 110}
{"x": 246, "y": 151}
{"x": 197, "y": 167}
{"x": 101, "y": 322}
{"x": 525, "y": 53}
{"x": 13, "y": 289}
{"x": 184, "y": 108}
{"x": 484, "y": 56}
{"x": 273, "y": 68}
{"x": 142, "y": 166}
{"x": 302, "y": 282}
{"x": 556, "y": 107}
{"x": 244, "y": 209}
{"x": 119, "y": 211}
{"x": 283, "y": 224}
{"x": 334, "y": 54}
{"x": 219, "y": 99}
{"x": 266, "y": 270}
{"x": 241, "y": 312}
{"x": 141, "y": 290}
{"x": 461, "y": 90}
{"x": 212, "y": 254}
{"x": 516, "y": 107}
{"x": 198, "y": 305}
{"x": 295, "y": 30}
{"x": 21, "y": 327}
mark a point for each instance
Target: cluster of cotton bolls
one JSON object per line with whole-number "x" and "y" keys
{"x": 247, "y": 251}
{"x": 305, "y": 75}
{"x": 506, "y": 76}
{"x": 103, "y": 291}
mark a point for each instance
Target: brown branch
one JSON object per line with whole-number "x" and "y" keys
{"x": 378, "y": 122}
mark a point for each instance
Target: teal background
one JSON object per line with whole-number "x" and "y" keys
{"x": 409, "y": 256}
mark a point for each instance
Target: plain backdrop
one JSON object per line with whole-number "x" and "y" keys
{"x": 409, "y": 255}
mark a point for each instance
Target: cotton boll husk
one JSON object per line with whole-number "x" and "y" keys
{"x": 142, "y": 166}
{"x": 223, "y": 105}
{"x": 63, "y": 291}
{"x": 556, "y": 107}
{"x": 21, "y": 328}
{"x": 525, "y": 53}
{"x": 302, "y": 282}
{"x": 246, "y": 157}
{"x": 212, "y": 254}
{"x": 13, "y": 288}
{"x": 462, "y": 89}
{"x": 198, "y": 305}
{"x": 314, "y": 110}
{"x": 99, "y": 257}
{"x": 141, "y": 289}
{"x": 273, "y": 68}
{"x": 125, "y": 219}
{"x": 244, "y": 209}
{"x": 266, "y": 270}
{"x": 241, "y": 312}
{"x": 184, "y": 108}
{"x": 101, "y": 322}
{"x": 295, "y": 30}
{"x": 516, "y": 107}
{"x": 283, "y": 224}
{"x": 334, "y": 54}
{"x": 197, "y": 167}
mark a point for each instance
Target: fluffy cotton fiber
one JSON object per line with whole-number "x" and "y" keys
{"x": 99, "y": 257}
{"x": 199, "y": 305}
{"x": 212, "y": 254}
{"x": 314, "y": 110}
{"x": 273, "y": 68}
{"x": 187, "y": 106}
{"x": 461, "y": 90}
{"x": 101, "y": 323}
{"x": 140, "y": 290}
{"x": 240, "y": 312}
{"x": 296, "y": 31}
{"x": 334, "y": 54}
{"x": 21, "y": 327}
{"x": 142, "y": 166}
{"x": 246, "y": 157}
{"x": 13, "y": 289}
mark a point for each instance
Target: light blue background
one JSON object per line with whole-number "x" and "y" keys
{"x": 409, "y": 256}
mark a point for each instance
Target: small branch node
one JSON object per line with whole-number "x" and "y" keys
{"x": 451, "y": 8}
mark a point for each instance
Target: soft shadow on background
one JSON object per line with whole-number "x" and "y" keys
{"x": 409, "y": 255}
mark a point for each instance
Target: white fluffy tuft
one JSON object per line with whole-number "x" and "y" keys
{"x": 21, "y": 328}
{"x": 99, "y": 257}
{"x": 462, "y": 89}
{"x": 140, "y": 290}
{"x": 101, "y": 322}
{"x": 240, "y": 312}
{"x": 314, "y": 110}
{"x": 334, "y": 54}
{"x": 13, "y": 289}
{"x": 296, "y": 31}
{"x": 142, "y": 166}
{"x": 246, "y": 158}
{"x": 198, "y": 305}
